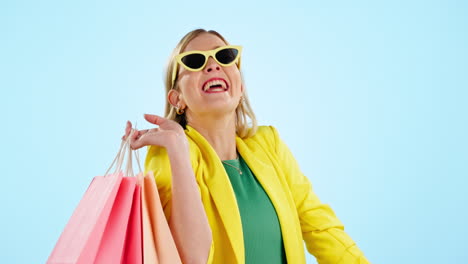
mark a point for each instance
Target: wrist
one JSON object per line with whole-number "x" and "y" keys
{"x": 178, "y": 147}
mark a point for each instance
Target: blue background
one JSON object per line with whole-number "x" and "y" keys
{"x": 371, "y": 97}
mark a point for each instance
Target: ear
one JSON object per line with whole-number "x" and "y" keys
{"x": 175, "y": 98}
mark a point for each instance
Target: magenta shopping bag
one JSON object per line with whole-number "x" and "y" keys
{"x": 111, "y": 248}
{"x": 133, "y": 252}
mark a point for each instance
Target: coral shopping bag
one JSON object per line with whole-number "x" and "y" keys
{"x": 158, "y": 243}
{"x": 105, "y": 221}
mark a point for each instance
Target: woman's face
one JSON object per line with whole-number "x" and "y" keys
{"x": 195, "y": 95}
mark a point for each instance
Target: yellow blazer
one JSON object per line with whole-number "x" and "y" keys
{"x": 301, "y": 215}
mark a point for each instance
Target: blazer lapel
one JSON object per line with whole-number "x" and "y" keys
{"x": 261, "y": 166}
{"x": 222, "y": 193}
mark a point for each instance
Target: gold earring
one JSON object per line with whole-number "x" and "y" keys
{"x": 179, "y": 111}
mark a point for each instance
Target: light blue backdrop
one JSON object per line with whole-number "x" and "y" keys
{"x": 371, "y": 98}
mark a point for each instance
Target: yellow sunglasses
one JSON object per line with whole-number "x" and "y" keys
{"x": 196, "y": 60}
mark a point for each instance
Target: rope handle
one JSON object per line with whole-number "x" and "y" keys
{"x": 124, "y": 149}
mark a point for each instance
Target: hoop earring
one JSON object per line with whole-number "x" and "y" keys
{"x": 179, "y": 111}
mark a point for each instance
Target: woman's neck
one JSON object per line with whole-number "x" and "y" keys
{"x": 219, "y": 131}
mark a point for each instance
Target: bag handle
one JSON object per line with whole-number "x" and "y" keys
{"x": 130, "y": 159}
{"x": 119, "y": 158}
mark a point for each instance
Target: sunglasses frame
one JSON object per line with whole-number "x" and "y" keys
{"x": 207, "y": 54}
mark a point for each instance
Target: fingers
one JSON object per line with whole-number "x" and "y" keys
{"x": 154, "y": 119}
{"x": 139, "y": 133}
{"x": 135, "y": 136}
{"x": 128, "y": 129}
{"x": 162, "y": 122}
{"x": 140, "y": 138}
{"x": 136, "y": 144}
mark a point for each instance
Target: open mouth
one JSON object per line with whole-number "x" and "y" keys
{"x": 215, "y": 85}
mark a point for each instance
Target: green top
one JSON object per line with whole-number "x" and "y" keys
{"x": 263, "y": 241}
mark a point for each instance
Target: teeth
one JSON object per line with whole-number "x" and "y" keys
{"x": 214, "y": 82}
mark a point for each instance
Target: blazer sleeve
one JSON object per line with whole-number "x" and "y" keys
{"x": 322, "y": 231}
{"x": 158, "y": 162}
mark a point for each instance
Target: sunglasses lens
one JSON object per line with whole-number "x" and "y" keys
{"x": 194, "y": 61}
{"x": 226, "y": 56}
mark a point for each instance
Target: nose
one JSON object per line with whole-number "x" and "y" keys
{"x": 211, "y": 65}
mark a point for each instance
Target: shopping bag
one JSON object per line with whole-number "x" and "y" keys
{"x": 158, "y": 243}
{"x": 97, "y": 230}
{"x": 111, "y": 248}
{"x": 133, "y": 252}
{"x": 79, "y": 241}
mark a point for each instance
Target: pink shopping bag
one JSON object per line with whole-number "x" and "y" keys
{"x": 97, "y": 230}
{"x": 80, "y": 240}
{"x": 158, "y": 243}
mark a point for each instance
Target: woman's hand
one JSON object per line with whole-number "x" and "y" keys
{"x": 169, "y": 134}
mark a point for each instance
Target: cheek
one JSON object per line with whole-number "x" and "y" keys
{"x": 188, "y": 84}
{"x": 235, "y": 77}
{"x": 189, "y": 79}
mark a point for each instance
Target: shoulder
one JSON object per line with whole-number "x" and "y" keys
{"x": 265, "y": 135}
{"x": 156, "y": 159}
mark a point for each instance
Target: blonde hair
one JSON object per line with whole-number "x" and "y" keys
{"x": 243, "y": 110}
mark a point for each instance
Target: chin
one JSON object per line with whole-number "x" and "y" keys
{"x": 219, "y": 108}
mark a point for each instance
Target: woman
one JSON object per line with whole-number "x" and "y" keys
{"x": 232, "y": 192}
